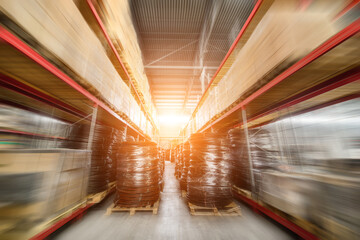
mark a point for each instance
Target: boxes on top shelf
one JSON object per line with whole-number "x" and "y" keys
{"x": 284, "y": 35}
{"x": 61, "y": 30}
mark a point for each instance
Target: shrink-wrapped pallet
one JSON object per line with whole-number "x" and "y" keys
{"x": 37, "y": 183}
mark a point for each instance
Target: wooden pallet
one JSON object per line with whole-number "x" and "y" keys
{"x": 243, "y": 192}
{"x": 230, "y": 210}
{"x": 98, "y": 197}
{"x": 183, "y": 193}
{"x": 149, "y": 208}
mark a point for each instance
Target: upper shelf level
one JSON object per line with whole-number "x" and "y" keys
{"x": 28, "y": 74}
{"x": 329, "y": 72}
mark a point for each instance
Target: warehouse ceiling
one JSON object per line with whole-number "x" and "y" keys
{"x": 183, "y": 42}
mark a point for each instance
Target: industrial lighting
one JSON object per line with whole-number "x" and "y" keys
{"x": 173, "y": 119}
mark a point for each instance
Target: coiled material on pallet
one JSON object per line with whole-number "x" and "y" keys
{"x": 184, "y": 166}
{"x": 240, "y": 170}
{"x": 138, "y": 175}
{"x": 105, "y": 149}
{"x": 209, "y": 171}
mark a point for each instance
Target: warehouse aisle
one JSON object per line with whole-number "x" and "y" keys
{"x": 172, "y": 222}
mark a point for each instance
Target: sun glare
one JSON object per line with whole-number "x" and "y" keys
{"x": 173, "y": 119}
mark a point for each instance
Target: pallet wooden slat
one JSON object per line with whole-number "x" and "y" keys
{"x": 230, "y": 210}
{"x": 183, "y": 193}
{"x": 98, "y": 197}
{"x": 149, "y": 208}
{"x": 243, "y": 192}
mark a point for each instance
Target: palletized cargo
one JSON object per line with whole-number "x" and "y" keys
{"x": 179, "y": 119}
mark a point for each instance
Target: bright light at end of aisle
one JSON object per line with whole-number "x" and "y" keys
{"x": 173, "y": 119}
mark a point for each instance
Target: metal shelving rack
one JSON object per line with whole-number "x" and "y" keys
{"x": 346, "y": 82}
{"x": 58, "y": 77}
{"x": 77, "y": 104}
{"x": 122, "y": 66}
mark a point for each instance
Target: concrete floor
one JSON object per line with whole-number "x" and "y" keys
{"x": 172, "y": 222}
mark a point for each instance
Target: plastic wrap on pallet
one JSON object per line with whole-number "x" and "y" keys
{"x": 38, "y": 183}
{"x": 263, "y": 154}
{"x": 293, "y": 194}
{"x": 173, "y": 155}
{"x": 185, "y": 166}
{"x": 240, "y": 170}
{"x": 178, "y": 161}
{"x": 138, "y": 180}
{"x": 21, "y": 128}
{"x": 208, "y": 182}
{"x": 39, "y": 131}
{"x": 106, "y": 144}
{"x": 317, "y": 176}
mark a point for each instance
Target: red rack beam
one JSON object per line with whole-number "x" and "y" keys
{"x": 22, "y": 47}
{"x": 334, "y": 41}
{"x": 28, "y": 133}
{"x": 286, "y": 223}
{"x": 107, "y": 37}
{"x": 23, "y": 89}
{"x": 338, "y": 81}
{"x": 45, "y": 233}
{"x": 350, "y": 6}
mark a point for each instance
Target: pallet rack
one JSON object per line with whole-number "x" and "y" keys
{"x": 341, "y": 86}
{"x": 67, "y": 101}
{"x": 259, "y": 96}
{"x": 123, "y": 71}
{"x": 80, "y": 102}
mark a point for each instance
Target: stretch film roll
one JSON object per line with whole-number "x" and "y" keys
{"x": 209, "y": 171}
{"x": 105, "y": 150}
{"x": 138, "y": 175}
{"x": 185, "y": 166}
{"x": 240, "y": 171}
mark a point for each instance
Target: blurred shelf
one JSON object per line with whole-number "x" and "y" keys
{"x": 304, "y": 234}
{"x": 50, "y": 227}
{"x": 29, "y": 134}
{"x": 321, "y": 85}
{"x": 254, "y": 18}
{"x": 291, "y": 87}
{"x": 119, "y": 65}
{"x": 26, "y": 72}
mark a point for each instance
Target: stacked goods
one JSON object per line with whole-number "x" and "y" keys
{"x": 263, "y": 154}
{"x": 79, "y": 135}
{"x": 106, "y": 144}
{"x": 39, "y": 131}
{"x": 179, "y": 161}
{"x": 280, "y": 39}
{"x": 118, "y": 20}
{"x": 39, "y": 178}
{"x": 240, "y": 170}
{"x": 318, "y": 176}
{"x": 173, "y": 155}
{"x": 162, "y": 170}
{"x": 185, "y": 166}
{"x": 39, "y": 183}
{"x": 209, "y": 171}
{"x": 60, "y": 30}
{"x": 138, "y": 180}
{"x": 98, "y": 177}
{"x": 177, "y": 167}
{"x": 117, "y": 137}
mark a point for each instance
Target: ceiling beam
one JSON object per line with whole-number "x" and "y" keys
{"x": 182, "y": 67}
